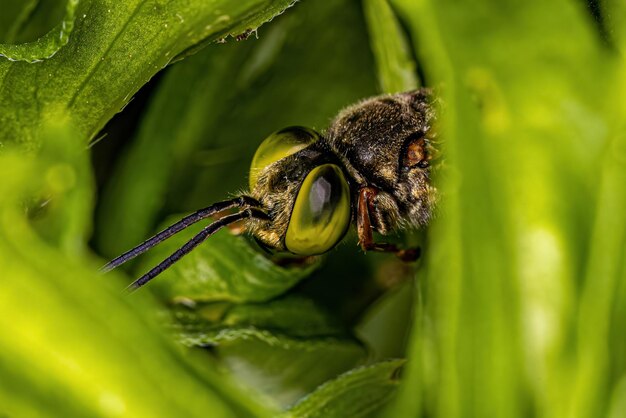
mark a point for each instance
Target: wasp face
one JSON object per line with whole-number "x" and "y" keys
{"x": 380, "y": 148}
{"x": 372, "y": 167}
{"x": 385, "y": 143}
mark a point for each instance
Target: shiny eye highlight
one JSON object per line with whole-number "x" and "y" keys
{"x": 279, "y": 145}
{"x": 321, "y": 213}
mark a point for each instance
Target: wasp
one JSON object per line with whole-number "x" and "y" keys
{"x": 370, "y": 168}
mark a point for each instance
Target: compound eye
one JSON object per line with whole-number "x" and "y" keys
{"x": 416, "y": 154}
{"x": 279, "y": 145}
{"x": 321, "y": 213}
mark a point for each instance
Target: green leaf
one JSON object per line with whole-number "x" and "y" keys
{"x": 529, "y": 95}
{"x": 385, "y": 326}
{"x": 114, "y": 49}
{"x": 394, "y": 61}
{"x": 71, "y": 344}
{"x": 361, "y": 392}
{"x": 605, "y": 269}
{"x": 46, "y": 46}
{"x": 225, "y": 267}
{"x": 14, "y": 14}
{"x": 613, "y": 14}
{"x": 618, "y": 401}
{"x": 281, "y": 367}
{"x": 295, "y": 316}
{"x": 63, "y": 209}
{"x": 283, "y": 349}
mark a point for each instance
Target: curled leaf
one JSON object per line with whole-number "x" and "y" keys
{"x": 283, "y": 357}
{"x": 358, "y": 393}
{"x": 46, "y": 46}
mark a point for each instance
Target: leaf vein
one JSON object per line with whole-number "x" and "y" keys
{"x": 93, "y": 70}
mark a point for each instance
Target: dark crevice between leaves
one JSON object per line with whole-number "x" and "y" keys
{"x": 118, "y": 132}
{"x": 16, "y": 21}
{"x": 594, "y": 7}
{"x": 46, "y": 46}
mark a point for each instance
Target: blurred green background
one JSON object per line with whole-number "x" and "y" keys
{"x": 517, "y": 308}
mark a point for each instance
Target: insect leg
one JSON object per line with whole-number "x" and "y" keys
{"x": 241, "y": 201}
{"x": 365, "y": 233}
{"x": 195, "y": 241}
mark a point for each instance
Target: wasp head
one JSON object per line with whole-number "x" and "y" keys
{"x": 386, "y": 144}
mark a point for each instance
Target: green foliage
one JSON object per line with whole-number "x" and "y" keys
{"x": 358, "y": 393}
{"x": 71, "y": 346}
{"x": 115, "y": 48}
{"x": 284, "y": 348}
{"x": 229, "y": 268}
{"x": 47, "y": 45}
{"x": 520, "y": 304}
{"x": 396, "y": 68}
{"x": 524, "y": 277}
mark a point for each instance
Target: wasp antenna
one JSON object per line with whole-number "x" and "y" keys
{"x": 240, "y": 201}
{"x": 194, "y": 242}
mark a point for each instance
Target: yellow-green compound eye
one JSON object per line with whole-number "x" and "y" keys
{"x": 279, "y": 145}
{"x": 321, "y": 213}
